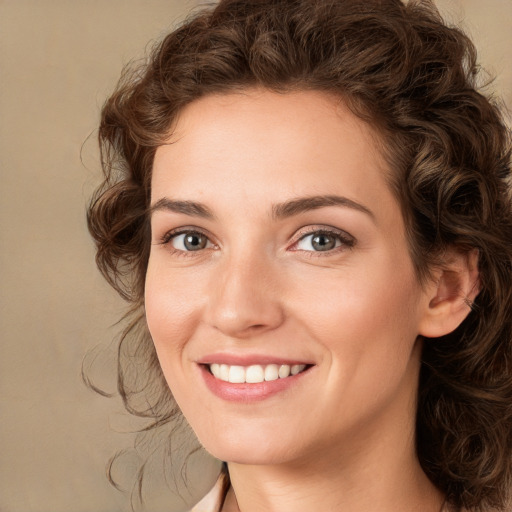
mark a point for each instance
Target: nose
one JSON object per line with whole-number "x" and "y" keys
{"x": 245, "y": 299}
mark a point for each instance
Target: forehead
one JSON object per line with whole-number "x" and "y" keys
{"x": 261, "y": 144}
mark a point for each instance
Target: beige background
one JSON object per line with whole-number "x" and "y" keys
{"x": 59, "y": 59}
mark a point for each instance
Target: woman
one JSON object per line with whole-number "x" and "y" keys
{"x": 307, "y": 205}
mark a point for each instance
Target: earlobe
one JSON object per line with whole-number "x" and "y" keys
{"x": 451, "y": 294}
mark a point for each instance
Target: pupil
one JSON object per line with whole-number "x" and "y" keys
{"x": 194, "y": 242}
{"x": 323, "y": 242}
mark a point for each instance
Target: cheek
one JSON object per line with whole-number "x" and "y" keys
{"x": 366, "y": 325}
{"x": 363, "y": 313}
{"x": 172, "y": 311}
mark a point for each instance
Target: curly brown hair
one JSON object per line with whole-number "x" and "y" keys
{"x": 401, "y": 68}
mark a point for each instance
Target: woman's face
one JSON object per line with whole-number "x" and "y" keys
{"x": 278, "y": 247}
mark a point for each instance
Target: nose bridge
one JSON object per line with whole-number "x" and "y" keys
{"x": 244, "y": 296}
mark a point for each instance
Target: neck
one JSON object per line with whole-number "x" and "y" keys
{"x": 255, "y": 489}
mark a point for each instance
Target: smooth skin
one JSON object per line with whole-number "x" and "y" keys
{"x": 259, "y": 282}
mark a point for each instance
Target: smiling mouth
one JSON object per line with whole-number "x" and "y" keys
{"x": 255, "y": 373}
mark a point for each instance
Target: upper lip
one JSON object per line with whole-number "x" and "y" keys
{"x": 249, "y": 359}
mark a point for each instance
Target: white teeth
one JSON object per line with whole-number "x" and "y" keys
{"x": 284, "y": 371}
{"x": 236, "y": 374}
{"x": 271, "y": 372}
{"x": 297, "y": 368}
{"x": 224, "y": 372}
{"x": 215, "y": 369}
{"x": 255, "y": 373}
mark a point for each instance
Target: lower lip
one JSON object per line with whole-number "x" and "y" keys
{"x": 248, "y": 392}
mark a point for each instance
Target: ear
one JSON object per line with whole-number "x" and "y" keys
{"x": 451, "y": 294}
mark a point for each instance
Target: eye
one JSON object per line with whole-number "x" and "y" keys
{"x": 188, "y": 241}
{"x": 324, "y": 241}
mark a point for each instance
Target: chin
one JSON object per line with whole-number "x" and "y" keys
{"x": 247, "y": 455}
{"x": 250, "y": 450}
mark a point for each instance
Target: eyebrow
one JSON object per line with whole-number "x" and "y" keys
{"x": 279, "y": 211}
{"x": 186, "y": 207}
{"x": 304, "y": 204}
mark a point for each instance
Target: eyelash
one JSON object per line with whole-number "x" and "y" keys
{"x": 166, "y": 239}
{"x": 347, "y": 241}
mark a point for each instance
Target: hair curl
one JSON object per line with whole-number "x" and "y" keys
{"x": 402, "y": 69}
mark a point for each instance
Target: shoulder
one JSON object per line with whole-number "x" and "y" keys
{"x": 212, "y": 502}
